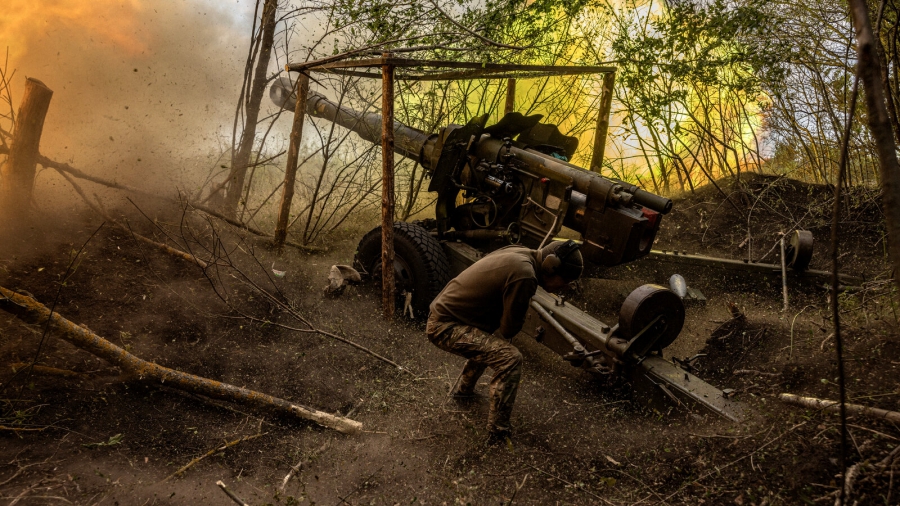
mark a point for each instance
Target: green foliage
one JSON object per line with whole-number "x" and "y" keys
{"x": 691, "y": 79}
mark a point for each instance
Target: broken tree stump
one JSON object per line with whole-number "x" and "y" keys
{"x": 30, "y": 311}
{"x": 17, "y": 174}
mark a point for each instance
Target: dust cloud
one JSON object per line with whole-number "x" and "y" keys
{"x": 144, "y": 91}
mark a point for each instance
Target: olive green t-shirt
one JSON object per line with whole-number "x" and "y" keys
{"x": 492, "y": 294}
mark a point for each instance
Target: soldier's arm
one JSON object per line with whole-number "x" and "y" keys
{"x": 516, "y": 299}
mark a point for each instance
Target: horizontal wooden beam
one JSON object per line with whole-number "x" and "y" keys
{"x": 494, "y": 70}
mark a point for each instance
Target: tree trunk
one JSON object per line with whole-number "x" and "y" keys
{"x": 510, "y": 105}
{"x": 880, "y": 127}
{"x": 241, "y": 160}
{"x": 609, "y": 81}
{"x": 17, "y": 175}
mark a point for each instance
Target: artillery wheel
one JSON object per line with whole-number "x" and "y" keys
{"x": 798, "y": 253}
{"x": 420, "y": 264}
{"x": 643, "y": 305}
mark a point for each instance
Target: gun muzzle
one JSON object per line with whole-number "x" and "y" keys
{"x": 649, "y": 200}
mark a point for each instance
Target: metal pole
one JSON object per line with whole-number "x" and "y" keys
{"x": 290, "y": 173}
{"x": 609, "y": 80}
{"x": 510, "y": 96}
{"x": 784, "y": 276}
{"x": 387, "y": 188}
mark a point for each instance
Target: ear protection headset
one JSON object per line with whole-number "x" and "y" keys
{"x": 551, "y": 262}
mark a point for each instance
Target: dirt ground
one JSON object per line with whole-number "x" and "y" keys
{"x": 92, "y": 438}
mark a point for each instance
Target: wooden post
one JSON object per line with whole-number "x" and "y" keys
{"x": 290, "y": 173}
{"x": 387, "y": 188}
{"x": 510, "y": 96}
{"x": 609, "y": 80}
{"x": 17, "y": 175}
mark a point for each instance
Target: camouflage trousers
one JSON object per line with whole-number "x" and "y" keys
{"x": 483, "y": 350}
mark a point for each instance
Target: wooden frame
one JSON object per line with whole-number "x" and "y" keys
{"x": 389, "y": 69}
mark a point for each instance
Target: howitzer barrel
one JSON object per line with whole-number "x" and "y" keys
{"x": 419, "y": 146}
{"x": 408, "y": 141}
{"x": 529, "y": 178}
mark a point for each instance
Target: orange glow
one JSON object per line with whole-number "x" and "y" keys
{"x": 112, "y": 21}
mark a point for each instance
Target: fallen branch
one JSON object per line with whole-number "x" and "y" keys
{"x": 718, "y": 469}
{"x": 889, "y": 460}
{"x": 30, "y": 311}
{"x": 850, "y": 477}
{"x": 825, "y": 341}
{"x": 834, "y": 407}
{"x": 230, "y": 494}
{"x": 50, "y": 371}
{"x": 299, "y": 466}
{"x": 569, "y": 483}
{"x": 210, "y": 454}
{"x": 341, "y": 339}
{"x": 516, "y": 491}
{"x": 754, "y": 372}
{"x": 164, "y": 247}
{"x": 254, "y": 231}
{"x": 285, "y": 306}
{"x": 21, "y": 429}
{"x": 67, "y": 170}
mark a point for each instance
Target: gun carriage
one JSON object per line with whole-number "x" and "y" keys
{"x": 512, "y": 183}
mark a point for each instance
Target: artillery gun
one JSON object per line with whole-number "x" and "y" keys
{"x": 511, "y": 183}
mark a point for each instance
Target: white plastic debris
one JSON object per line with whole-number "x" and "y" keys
{"x": 276, "y": 272}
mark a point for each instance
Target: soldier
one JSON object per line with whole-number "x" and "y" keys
{"x": 479, "y": 312}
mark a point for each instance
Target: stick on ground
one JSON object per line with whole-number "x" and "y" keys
{"x": 834, "y": 406}
{"x": 296, "y": 468}
{"x": 50, "y": 371}
{"x": 168, "y": 249}
{"x": 210, "y": 454}
{"x": 31, "y": 311}
{"x": 64, "y": 168}
{"x": 230, "y": 494}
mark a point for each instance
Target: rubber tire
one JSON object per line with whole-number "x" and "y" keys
{"x": 422, "y": 264}
{"x": 644, "y": 304}
{"x": 800, "y": 250}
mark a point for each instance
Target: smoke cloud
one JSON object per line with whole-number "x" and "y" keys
{"x": 140, "y": 87}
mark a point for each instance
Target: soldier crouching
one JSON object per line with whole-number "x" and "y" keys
{"x": 479, "y": 312}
